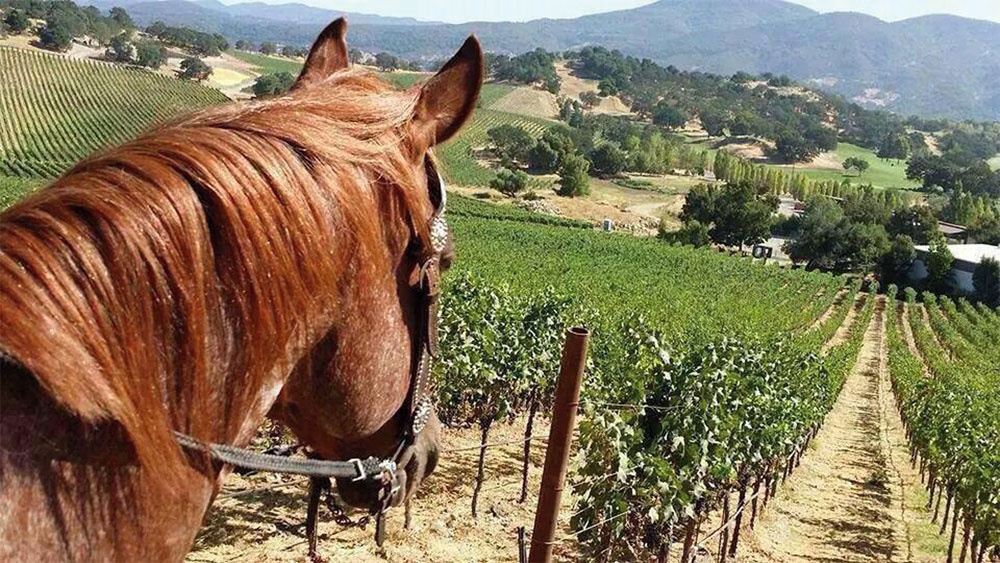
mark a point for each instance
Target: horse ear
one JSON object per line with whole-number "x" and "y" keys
{"x": 328, "y": 54}
{"x": 449, "y": 98}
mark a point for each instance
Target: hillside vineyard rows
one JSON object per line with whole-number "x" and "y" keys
{"x": 947, "y": 390}
{"x": 710, "y": 375}
{"x": 55, "y": 111}
{"x": 702, "y": 396}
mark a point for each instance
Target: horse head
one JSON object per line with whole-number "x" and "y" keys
{"x": 363, "y": 390}
{"x": 281, "y": 255}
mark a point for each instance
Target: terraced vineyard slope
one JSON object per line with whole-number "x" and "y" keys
{"x": 55, "y": 111}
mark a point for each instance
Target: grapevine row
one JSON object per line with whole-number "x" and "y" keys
{"x": 952, "y": 419}
{"x": 55, "y": 111}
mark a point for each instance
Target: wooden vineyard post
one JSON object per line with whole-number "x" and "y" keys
{"x": 567, "y": 399}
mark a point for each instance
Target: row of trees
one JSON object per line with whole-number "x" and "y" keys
{"x": 533, "y": 68}
{"x": 199, "y": 43}
{"x": 271, "y": 48}
{"x": 124, "y": 49}
{"x": 980, "y": 214}
{"x": 64, "y": 21}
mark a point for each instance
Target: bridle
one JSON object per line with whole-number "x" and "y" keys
{"x": 382, "y": 473}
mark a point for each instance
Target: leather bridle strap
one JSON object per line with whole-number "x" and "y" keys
{"x": 371, "y": 468}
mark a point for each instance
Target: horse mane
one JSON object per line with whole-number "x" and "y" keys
{"x": 158, "y": 285}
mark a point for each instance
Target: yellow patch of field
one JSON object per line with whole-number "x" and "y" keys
{"x": 525, "y": 100}
{"x": 228, "y": 77}
{"x": 21, "y": 42}
{"x": 573, "y": 86}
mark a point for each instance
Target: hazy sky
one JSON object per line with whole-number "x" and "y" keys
{"x": 520, "y": 10}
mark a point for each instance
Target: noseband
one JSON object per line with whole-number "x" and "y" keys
{"x": 382, "y": 473}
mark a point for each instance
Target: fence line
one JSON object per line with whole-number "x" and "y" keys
{"x": 575, "y": 535}
{"x": 495, "y": 444}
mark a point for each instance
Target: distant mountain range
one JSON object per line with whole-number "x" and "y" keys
{"x": 258, "y": 13}
{"x": 930, "y": 66}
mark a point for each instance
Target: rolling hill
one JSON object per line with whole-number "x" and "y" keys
{"x": 55, "y": 110}
{"x": 930, "y": 66}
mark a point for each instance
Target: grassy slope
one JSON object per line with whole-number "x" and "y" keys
{"x": 55, "y": 111}
{"x": 267, "y": 65}
{"x": 995, "y": 162}
{"x": 882, "y": 173}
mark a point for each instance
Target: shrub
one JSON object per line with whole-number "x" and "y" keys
{"x": 573, "y": 179}
{"x": 692, "y": 233}
{"x": 150, "y": 55}
{"x": 509, "y": 182}
{"x": 607, "y": 160}
{"x": 273, "y": 84}
{"x": 193, "y": 68}
{"x": 17, "y": 21}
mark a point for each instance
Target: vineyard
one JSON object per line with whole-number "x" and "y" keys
{"x": 459, "y": 156}
{"x": 716, "y": 386}
{"x": 947, "y": 382}
{"x": 701, "y": 399}
{"x": 55, "y": 111}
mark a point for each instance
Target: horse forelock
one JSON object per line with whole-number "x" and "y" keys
{"x": 160, "y": 284}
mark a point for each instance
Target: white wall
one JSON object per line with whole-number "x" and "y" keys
{"x": 961, "y": 279}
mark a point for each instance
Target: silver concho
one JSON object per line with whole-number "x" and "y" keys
{"x": 439, "y": 233}
{"x": 421, "y": 414}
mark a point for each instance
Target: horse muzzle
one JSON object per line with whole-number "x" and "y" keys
{"x": 414, "y": 464}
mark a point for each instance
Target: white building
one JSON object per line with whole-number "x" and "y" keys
{"x": 967, "y": 257}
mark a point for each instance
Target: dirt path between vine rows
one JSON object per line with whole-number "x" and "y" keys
{"x": 837, "y": 301}
{"x": 855, "y": 496}
{"x": 844, "y": 330}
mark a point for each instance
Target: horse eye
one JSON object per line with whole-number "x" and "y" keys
{"x": 447, "y": 255}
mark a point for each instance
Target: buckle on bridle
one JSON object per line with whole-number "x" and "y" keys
{"x": 362, "y": 474}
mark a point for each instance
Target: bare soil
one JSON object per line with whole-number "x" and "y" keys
{"x": 269, "y": 524}
{"x": 837, "y": 301}
{"x": 525, "y": 100}
{"x": 635, "y": 211}
{"x": 844, "y": 330}
{"x": 573, "y": 86}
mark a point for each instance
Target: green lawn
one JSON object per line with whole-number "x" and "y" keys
{"x": 268, "y": 65}
{"x": 881, "y": 174}
{"x": 994, "y": 162}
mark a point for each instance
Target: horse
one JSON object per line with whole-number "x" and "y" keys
{"x": 250, "y": 260}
